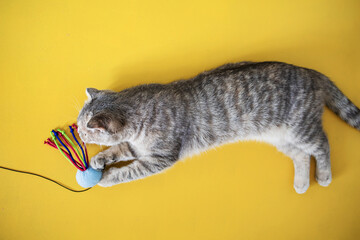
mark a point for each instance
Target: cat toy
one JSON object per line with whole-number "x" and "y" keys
{"x": 86, "y": 176}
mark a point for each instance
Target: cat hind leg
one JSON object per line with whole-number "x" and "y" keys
{"x": 321, "y": 151}
{"x": 301, "y": 162}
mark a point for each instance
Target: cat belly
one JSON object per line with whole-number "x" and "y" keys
{"x": 274, "y": 136}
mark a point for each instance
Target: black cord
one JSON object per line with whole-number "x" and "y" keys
{"x": 38, "y": 175}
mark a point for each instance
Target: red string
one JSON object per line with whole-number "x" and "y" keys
{"x": 73, "y": 150}
{"x": 87, "y": 158}
{"x": 78, "y": 164}
{"x": 86, "y": 153}
{"x": 52, "y": 144}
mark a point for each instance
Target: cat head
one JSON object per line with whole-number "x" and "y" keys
{"x": 101, "y": 120}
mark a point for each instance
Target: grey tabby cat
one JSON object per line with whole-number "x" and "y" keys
{"x": 155, "y": 125}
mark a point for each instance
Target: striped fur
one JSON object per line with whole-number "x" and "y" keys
{"x": 157, "y": 124}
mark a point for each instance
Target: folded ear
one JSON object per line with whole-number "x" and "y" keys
{"x": 106, "y": 122}
{"x": 92, "y": 92}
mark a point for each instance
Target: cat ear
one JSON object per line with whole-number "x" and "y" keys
{"x": 106, "y": 122}
{"x": 92, "y": 92}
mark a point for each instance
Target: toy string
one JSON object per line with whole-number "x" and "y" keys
{"x": 52, "y": 144}
{"x": 55, "y": 137}
{"x": 85, "y": 157}
{"x": 77, "y": 153}
{"x": 61, "y": 137}
{"x": 65, "y": 141}
{"x": 80, "y": 162}
{"x": 49, "y": 179}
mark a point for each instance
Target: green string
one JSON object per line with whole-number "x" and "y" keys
{"x": 74, "y": 146}
{"x": 55, "y": 141}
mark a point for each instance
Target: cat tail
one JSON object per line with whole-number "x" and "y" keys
{"x": 337, "y": 102}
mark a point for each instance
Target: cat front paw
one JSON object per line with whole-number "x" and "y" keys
{"x": 105, "y": 184}
{"x": 108, "y": 178}
{"x": 98, "y": 162}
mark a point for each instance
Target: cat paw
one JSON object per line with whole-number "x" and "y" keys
{"x": 324, "y": 179}
{"x": 104, "y": 184}
{"x": 98, "y": 162}
{"x": 301, "y": 187}
{"x": 108, "y": 179}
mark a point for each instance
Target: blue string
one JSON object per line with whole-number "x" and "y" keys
{"x": 82, "y": 150}
{"x": 68, "y": 151}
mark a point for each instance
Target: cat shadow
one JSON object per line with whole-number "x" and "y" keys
{"x": 119, "y": 164}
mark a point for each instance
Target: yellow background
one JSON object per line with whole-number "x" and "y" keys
{"x": 50, "y": 51}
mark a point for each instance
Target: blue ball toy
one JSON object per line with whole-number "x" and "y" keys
{"x": 88, "y": 178}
